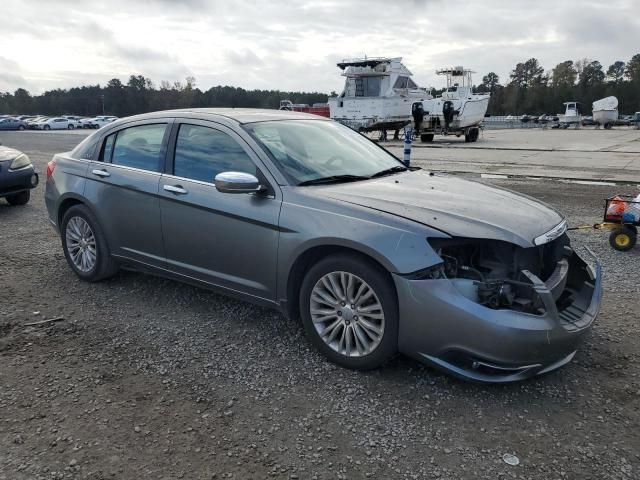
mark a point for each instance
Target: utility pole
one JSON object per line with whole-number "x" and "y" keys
{"x": 102, "y": 98}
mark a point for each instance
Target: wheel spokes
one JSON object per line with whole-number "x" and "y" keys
{"x": 353, "y": 332}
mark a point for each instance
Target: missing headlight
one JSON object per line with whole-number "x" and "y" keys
{"x": 490, "y": 272}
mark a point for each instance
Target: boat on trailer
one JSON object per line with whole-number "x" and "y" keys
{"x": 605, "y": 112}
{"x": 572, "y": 115}
{"x": 377, "y": 95}
{"x": 458, "y": 111}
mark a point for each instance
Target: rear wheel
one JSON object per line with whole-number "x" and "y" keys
{"x": 21, "y": 198}
{"x": 349, "y": 311}
{"x": 21, "y": 127}
{"x": 85, "y": 246}
{"x": 70, "y": 126}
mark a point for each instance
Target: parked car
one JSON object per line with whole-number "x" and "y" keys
{"x": 55, "y": 123}
{"x": 101, "y": 120}
{"x": 31, "y": 124}
{"x": 624, "y": 120}
{"x": 77, "y": 121}
{"x": 526, "y": 118}
{"x": 85, "y": 122}
{"x": 17, "y": 176}
{"x": 587, "y": 121}
{"x": 10, "y": 123}
{"x": 636, "y": 119}
{"x": 300, "y": 213}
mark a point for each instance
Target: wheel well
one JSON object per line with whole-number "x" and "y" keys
{"x": 66, "y": 205}
{"x": 309, "y": 258}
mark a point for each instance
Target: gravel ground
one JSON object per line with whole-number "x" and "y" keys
{"x": 149, "y": 378}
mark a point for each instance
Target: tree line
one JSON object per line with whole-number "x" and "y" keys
{"x": 532, "y": 90}
{"x": 140, "y": 95}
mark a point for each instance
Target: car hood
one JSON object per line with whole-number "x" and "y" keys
{"x": 8, "y": 154}
{"x": 458, "y": 207}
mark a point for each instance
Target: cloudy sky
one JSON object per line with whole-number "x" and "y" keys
{"x": 295, "y": 44}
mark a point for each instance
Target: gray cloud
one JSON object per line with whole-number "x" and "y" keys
{"x": 295, "y": 44}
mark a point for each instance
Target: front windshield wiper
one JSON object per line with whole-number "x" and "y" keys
{"x": 333, "y": 179}
{"x": 389, "y": 171}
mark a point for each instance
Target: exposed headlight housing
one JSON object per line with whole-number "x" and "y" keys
{"x": 552, "y": 234}
{"x": 21, "y": 161}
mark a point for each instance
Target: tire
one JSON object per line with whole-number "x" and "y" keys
{"x": 623, "y": 238}
{"x": 426, "y": 137}
{"x": 467, "y": 137}
{"x": 18, "y": 199}
{"x": 21, "y": 127}
{"x": 70, "y": 127}
{"x": 382, "y": 344}
{"x": 474, "y": 134}
{"x": 46, "y": 127}
{"x": 104, "y": 266}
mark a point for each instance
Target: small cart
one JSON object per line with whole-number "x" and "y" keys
{"x": 623, "y": 226}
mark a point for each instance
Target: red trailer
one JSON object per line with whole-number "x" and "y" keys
{"x": 321, "y": 109}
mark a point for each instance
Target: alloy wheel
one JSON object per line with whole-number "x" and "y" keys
{"x": 347, "y": 314}
{"x": 81, "y": 244}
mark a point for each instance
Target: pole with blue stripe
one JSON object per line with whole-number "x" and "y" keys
{"x": 408, "y": 134}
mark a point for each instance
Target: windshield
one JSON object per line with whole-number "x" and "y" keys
{"x": 307, "y": 150}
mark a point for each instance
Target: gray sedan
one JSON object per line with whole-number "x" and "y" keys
{"x": 299, "y": 213}
{"x": 10, "y": 123}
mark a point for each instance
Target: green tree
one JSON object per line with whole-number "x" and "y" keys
{"x": 564, "y": 74}
{"x": 632, "y": 71}
{"x": 615, "y": 72}
{"x": 591, "y": 75}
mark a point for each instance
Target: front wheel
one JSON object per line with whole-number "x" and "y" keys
{"x": 21, "y": 198}
{"x": 70, "y": 127}
{"x": 349, "y": 311}
{"x": 21, "y": 127}
{"x": 46, "y": 127}
{"x": 85, "y": 246}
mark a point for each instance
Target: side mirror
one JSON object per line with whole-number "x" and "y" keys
{"x": 237, "y": 182}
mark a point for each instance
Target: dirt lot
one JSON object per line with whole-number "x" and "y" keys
{"x": 149, "y": 378}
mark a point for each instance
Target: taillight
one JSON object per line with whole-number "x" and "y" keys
{"x": 50, "y": 168}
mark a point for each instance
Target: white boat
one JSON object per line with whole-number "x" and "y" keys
{"x": 605, "y": 112}
{"x": 378, "y": 94}
{"x": 457, "y": 111}
{"x": 571, "y": 115}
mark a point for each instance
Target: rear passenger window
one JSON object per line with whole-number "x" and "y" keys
{"x": 202, "y": 153}
{"x": 138, "y": 147}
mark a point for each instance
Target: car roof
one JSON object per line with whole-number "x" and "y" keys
{"x": 238, "y": 115}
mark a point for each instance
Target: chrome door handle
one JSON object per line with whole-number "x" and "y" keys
{"x": 175, "y": 189}
{"x": 101, "y": 173}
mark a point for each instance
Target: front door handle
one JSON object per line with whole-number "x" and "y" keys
{"x": 177, "y": 189}
{"x": 101, "y": 173}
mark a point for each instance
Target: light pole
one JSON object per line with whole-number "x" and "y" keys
{"x": 102, "y": 98}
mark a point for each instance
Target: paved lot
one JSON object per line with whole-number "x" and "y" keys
{"x": 149, "y": 378}
{"x": 584, "y": 154}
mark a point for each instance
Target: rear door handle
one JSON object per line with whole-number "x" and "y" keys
{"x": 101, "y": 173}
{"x": 177, "y": 189}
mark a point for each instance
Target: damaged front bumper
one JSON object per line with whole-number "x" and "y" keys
{"x": 441, "y": 326}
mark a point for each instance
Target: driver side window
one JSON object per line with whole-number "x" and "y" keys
{"x": 202, "y": 153}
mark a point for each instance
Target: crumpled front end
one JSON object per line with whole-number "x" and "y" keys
{"x": 496, "y": 312}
